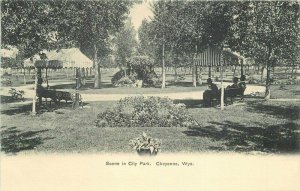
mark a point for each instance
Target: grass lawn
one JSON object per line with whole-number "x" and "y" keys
{"x": 285, "y": 91}
{"x": 271, "y": 127}
{"x": 107, "y": 88}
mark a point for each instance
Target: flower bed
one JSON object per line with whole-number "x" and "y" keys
{"x": 145, "y": 112}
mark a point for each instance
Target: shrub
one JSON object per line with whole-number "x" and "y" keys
{"x": 138, "y": 68}
{"x": 124, "y": 82}
{"x": 145, "y": 112}
{"x": 16, "y": 95}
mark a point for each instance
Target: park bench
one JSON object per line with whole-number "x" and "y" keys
{"x": 233, "y": 93}
{"x": 230, "y": 93}
{"x": 57, "y": 96}
{"x": 68, "y": 96}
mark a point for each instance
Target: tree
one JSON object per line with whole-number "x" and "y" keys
{"x": 146, "y": 45}
{"x": 39, "y": 25}
{"x": 181, "y": 28}
{"x": 125, "y": 44}
{"x": 268, "y": 32}
{"x": 27, "y": 25}
{"x": 90, "y": 24}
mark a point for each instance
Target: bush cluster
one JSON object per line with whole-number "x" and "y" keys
{"x": 139, "y": 68}
{"x": 145, "y": 112}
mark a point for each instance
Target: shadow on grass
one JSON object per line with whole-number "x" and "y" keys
{"x": 14, "y": 140}
{"x": 282, "y": 138}
{"x": 18, "y": 109}
{"x": 8, "y": 99}
{"x": 26, "y": 109}
{"x": 282, "y": 111}
{"x": 5, "y": 99}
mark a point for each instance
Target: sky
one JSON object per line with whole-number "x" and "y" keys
{"x": 139, "y": 12}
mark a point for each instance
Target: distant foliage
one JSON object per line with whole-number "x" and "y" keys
{"x": 145, "y": 112}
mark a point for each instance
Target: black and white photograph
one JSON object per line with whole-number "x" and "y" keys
{"x": 150, "y": 78}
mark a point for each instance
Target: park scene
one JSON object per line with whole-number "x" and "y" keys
{"x": 150, "y": 77}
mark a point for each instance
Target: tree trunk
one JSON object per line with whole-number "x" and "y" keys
{"x": 163, "y": 85}
{"x": 194, "y": 68}
{"x": 175, "y": 73}
{"x": 197, "y": 74}
{"x": 242, "y": 67}
{"x": 35, "y": 93}
{"x": 47, "y": 78}
{"x": 24, "y": 76}
{"x": 262, "y": 73}
{"x": 268, "y": 80}
{"x": 39, "y": 75}
{"x": 97, "y": 68}
{"x": 175, "y": 68}
{"x": 194, "y": 74}
{"x": 268, "y": 83}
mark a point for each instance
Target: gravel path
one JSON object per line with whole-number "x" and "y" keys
{"x": 194, "y": 95}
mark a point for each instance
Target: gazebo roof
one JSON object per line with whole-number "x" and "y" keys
{"x": 217, "y": 57}
{"x": 69, "y": 58}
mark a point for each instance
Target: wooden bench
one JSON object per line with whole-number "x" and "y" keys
{"x": 57, "y": 96}
{"x": 68, "y": 96}
{"x": 233, "y": 93}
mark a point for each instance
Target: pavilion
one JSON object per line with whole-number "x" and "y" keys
{"x": 214, "y": 57}
{"x": 63, "y": 58}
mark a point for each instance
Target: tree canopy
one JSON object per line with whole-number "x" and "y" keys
{"x": 39, "y": 25}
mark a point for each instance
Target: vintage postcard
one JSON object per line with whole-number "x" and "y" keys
{"x": 150, "y": 95}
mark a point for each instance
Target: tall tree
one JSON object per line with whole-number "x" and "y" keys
{"x": 39, "y": 25}
{"x": 90, "y": 24}
{"x": 145, "y": 39}
{"x": 125, "y": 44}
{"x": 268, "y": 32}
{"x": 27, "y": 25}
{"x": 182, "y": 28}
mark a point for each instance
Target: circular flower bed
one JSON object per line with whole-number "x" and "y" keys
{"x": 145, "y": 112}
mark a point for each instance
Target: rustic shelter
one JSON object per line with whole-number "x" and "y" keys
{"x": 214, "y": 57}
{"x": 63, "y": 58}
